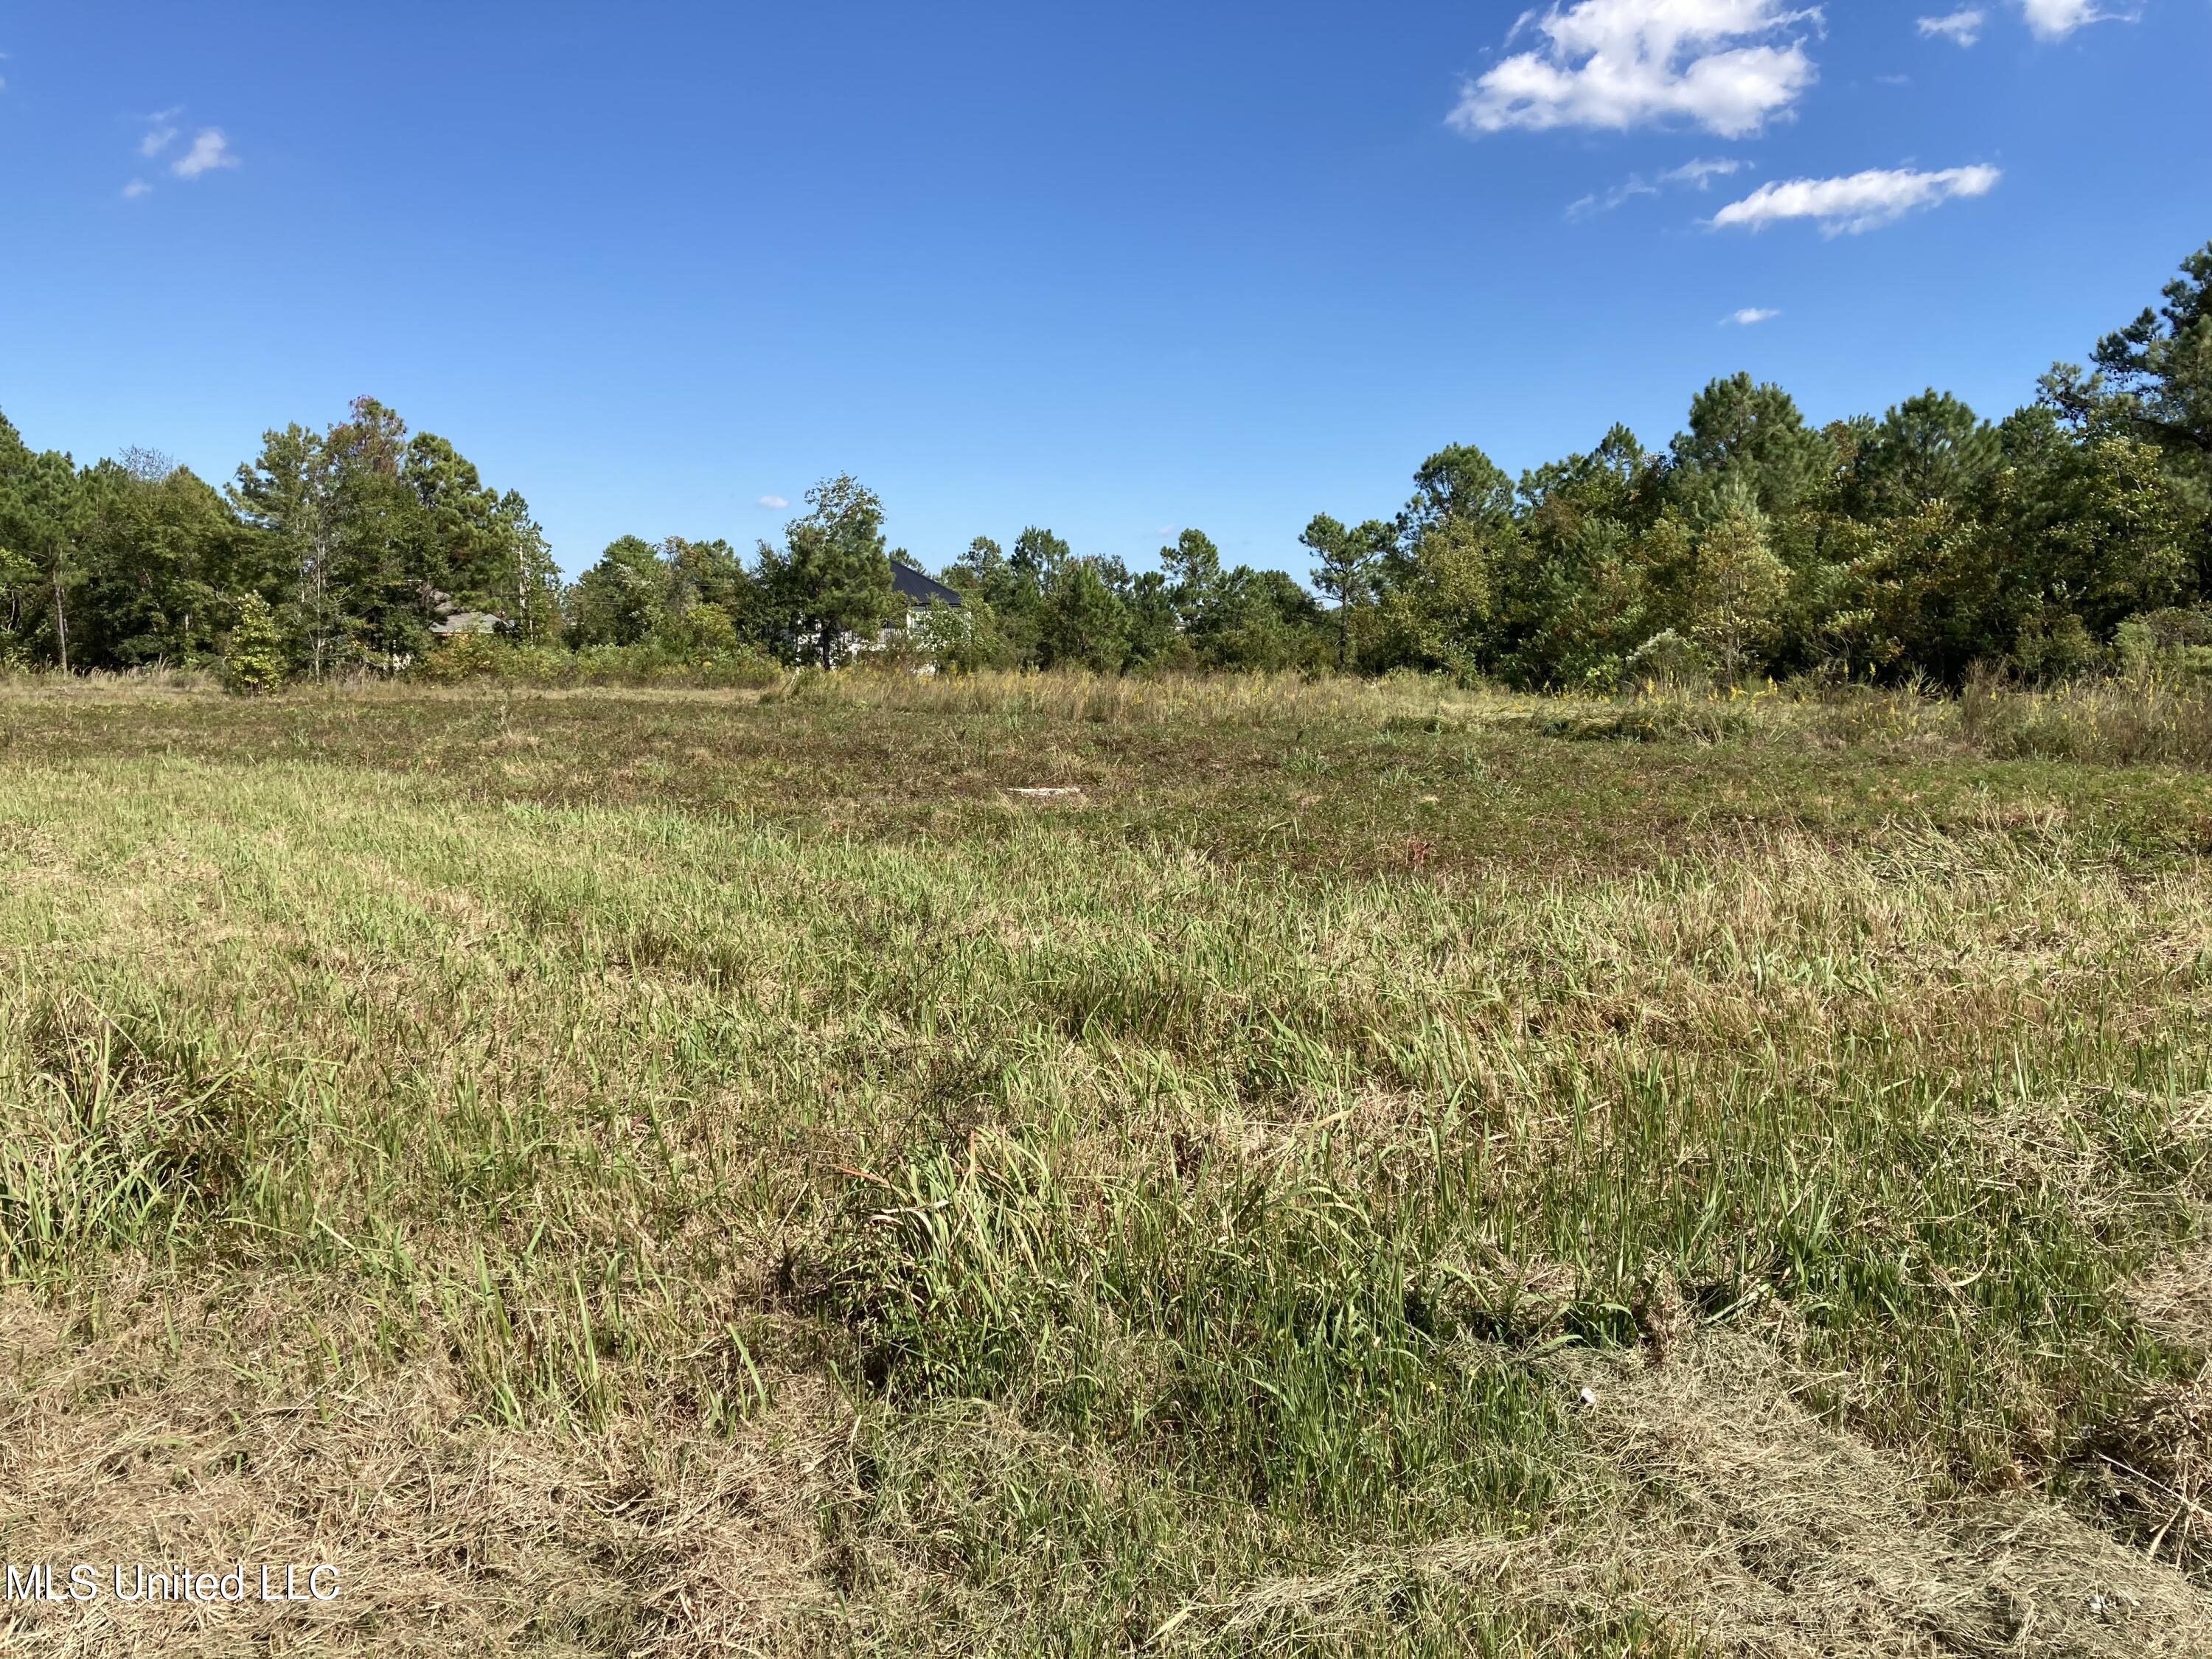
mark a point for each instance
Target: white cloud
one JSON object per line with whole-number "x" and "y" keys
{"x": 1625, "y": 190}
{"x": 1960, "y": 27}
{"x": 1750, "y": 316}
{"x": 1697, "y": 175}
{"x": 161, "y": 130}
{"x": 1865, "y": 201}
{"x": 1701, "y": 173}
{"x": 209, "y": 150}
{"x": 2047, "y": 20}
{"x": 137, "y": 188}
{"x": 2054, "y": 20}
{"x": 773, "y": 503}
{"x": 1728, "y": 65}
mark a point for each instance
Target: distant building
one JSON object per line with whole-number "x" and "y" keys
{"x": 465, "y": 622}
{"x": 919, "y": 590}
{"x": 915, "y": 592}
{"x": 448, "y": 619}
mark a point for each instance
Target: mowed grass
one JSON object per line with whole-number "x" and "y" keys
{"x": 1381, "y": 1169}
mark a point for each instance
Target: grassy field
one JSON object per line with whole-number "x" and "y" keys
{"x": 1352, "y": 1170}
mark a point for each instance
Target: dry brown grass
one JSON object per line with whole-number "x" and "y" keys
{"x": 163, "y": 1425}
{"x": 1738, "y": 1523}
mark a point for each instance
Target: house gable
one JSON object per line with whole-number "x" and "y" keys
{"x": 918, "y": 590}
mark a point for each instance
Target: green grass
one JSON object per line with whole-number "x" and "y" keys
{"x": 639, "y": 1172}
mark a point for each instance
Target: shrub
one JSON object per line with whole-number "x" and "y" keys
{"x": 2171, "y": 644}
{"x": 1667, "y": 660}
{"x": 652, "y": 662}
{"x": 465, "y": 657}
{"x": 255, "y": 662}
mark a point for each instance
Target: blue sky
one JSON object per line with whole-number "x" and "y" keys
{"x": 1115, "y": 269}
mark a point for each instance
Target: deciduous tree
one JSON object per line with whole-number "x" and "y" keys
{"x": 832, "y": 582}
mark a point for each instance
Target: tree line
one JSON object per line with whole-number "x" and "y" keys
{"x": 352, "y": 543}
{"x": 1922, "y": 543}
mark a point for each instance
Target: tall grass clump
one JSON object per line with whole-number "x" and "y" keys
{"x": 117, "y": 1139}
{"x": 1261, "y": 1332}
{"x": 2145, "y": 721}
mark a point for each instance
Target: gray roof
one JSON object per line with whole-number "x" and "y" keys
{"x": 918, "y": 590}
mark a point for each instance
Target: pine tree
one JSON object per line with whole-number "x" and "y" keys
{"x": 1739, "y": 583}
